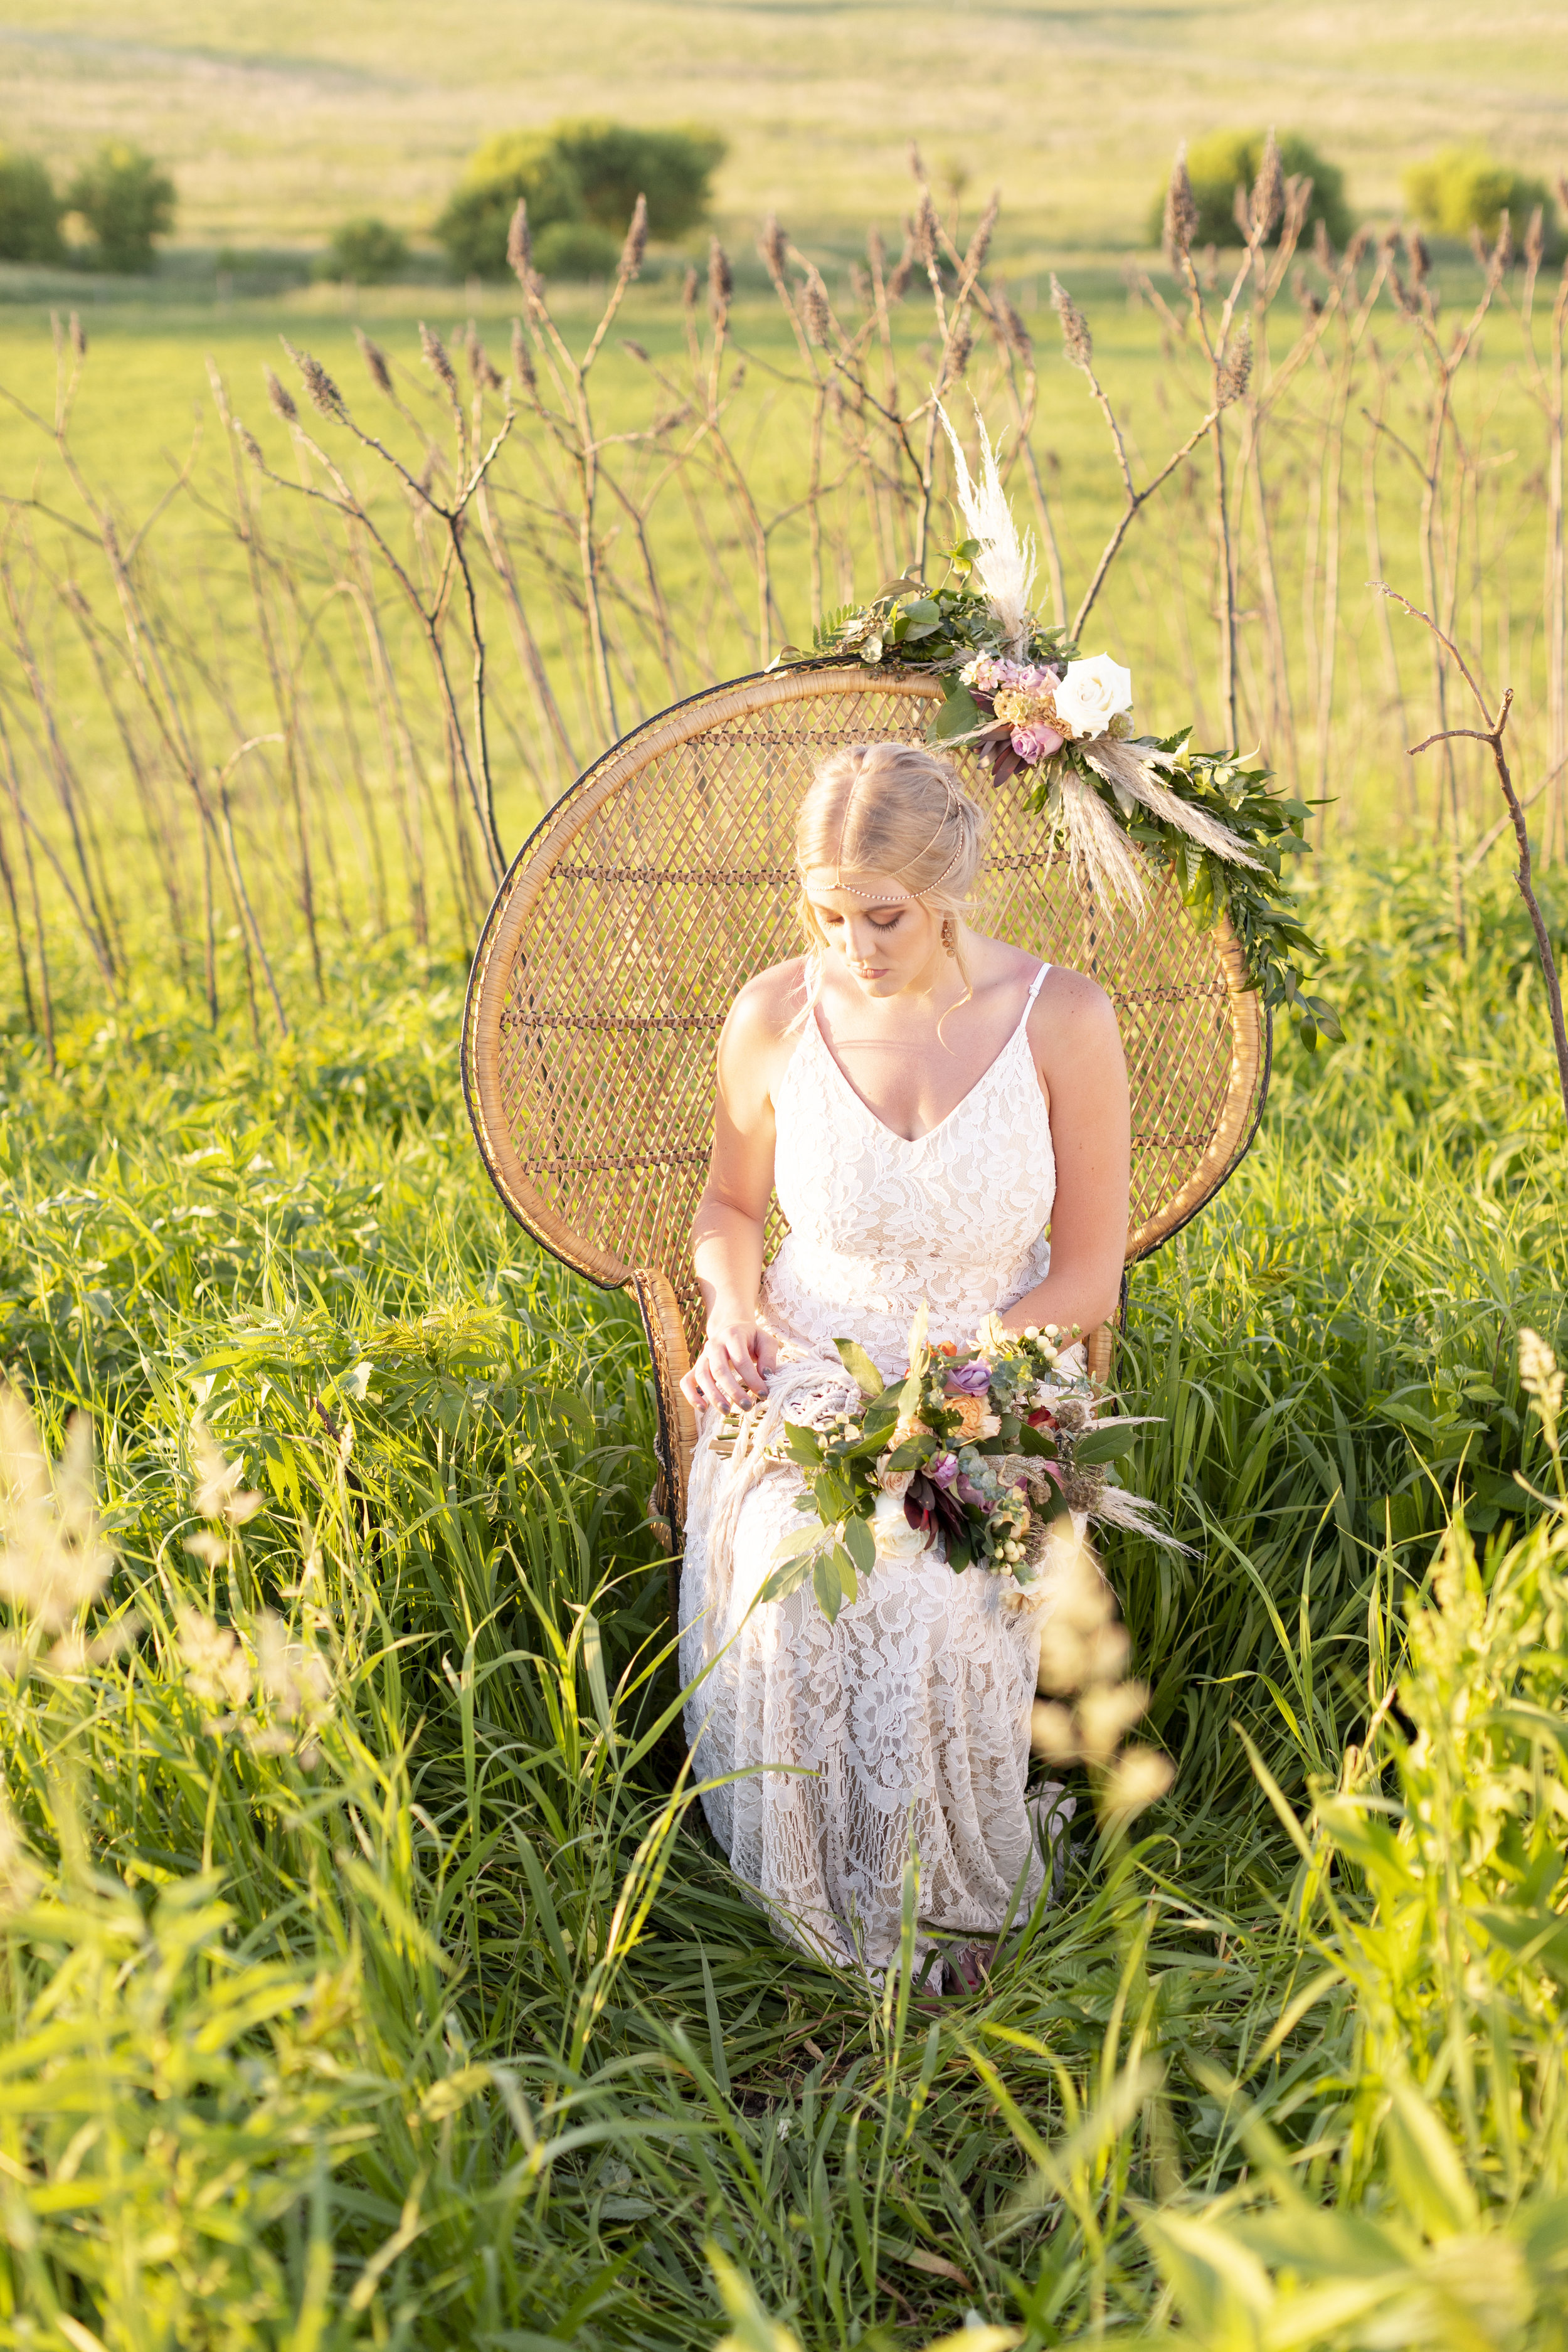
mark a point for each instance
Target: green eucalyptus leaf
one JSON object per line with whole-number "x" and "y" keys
{"x": 861, "y": 1367}
{"x": 959, "y": 715}
{"x": 1105, "y": 1444}
{"x": 860, "y": 1545}
{"x": 789, "y": 1575}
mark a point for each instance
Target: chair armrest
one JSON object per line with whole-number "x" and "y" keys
{"x": 660, "y": 1310}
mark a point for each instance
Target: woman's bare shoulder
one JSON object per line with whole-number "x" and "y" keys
{"x": 1072, "y": 1010}
{"x": 771, "y": 1000}
{"x": 769, "y": 1003}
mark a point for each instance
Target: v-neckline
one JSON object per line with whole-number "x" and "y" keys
{"x": 911, "y": 1143}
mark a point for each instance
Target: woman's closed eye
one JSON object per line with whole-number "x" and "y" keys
{"x": 888, "y": 923}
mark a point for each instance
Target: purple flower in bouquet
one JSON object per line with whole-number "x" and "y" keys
{"x": 942, "y": 1471}
{"x": 1030, "y": 678}
{"x": 969, "y": 1380}
{"x": 1036, "y": 744}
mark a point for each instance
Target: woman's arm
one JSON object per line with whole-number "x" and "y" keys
{"x": 1077, "y": 1048}
{"x": 727, "y": 1230}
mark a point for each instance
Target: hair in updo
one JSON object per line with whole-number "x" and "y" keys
{"x": 896, "y": 809}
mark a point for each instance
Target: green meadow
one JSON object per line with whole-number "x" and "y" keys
{"x": 370, "y": 1977}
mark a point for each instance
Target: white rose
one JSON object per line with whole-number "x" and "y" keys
{"x": 1091, "y": 695}
{"x": 891, "y": 1532}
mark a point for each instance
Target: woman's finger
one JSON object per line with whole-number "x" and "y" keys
{"x": 717, "y": 1384}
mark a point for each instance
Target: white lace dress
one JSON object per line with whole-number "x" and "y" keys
{"x": 909, "y": 1716}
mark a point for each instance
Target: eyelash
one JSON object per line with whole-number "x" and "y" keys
{"x": 890, "y": 925}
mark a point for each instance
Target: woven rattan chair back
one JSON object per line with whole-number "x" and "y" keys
{"x": 663, "y": 879}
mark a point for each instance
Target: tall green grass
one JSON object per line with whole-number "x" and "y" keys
{"x": 391, "y": 1991}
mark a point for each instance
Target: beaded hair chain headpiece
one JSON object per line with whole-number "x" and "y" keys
{"x": 882, "y": 897}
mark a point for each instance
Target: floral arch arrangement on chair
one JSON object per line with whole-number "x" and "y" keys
{"x": 663, "y": 879}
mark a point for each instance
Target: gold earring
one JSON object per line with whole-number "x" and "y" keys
{"x": 950, "y": 935}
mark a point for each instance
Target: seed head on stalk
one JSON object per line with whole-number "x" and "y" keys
{"x": 1078, "y": 345}
{"x": 926, "y": 241}
{"x": 773, "y": 245}
{"x": 279, "y": 399}
{"x": 1535, "y": 238}
{"x": 520, "y": 247}
{"x": 521, "y": 357}
{"x": 52, "y": 1560}
{"x": 980, "y": 243}
{"x": 376, "y": 363}
{"x": 636, "y": 243}
{"x": 720, "y": 284}
{"x": 899, "y": 283}
{"x": 815, "y": 310}
{"x": 1014, "y": 332}
{"x": 323, "y": 393}
{"x": 486, "y": 376}
{"x": 1180, "y": 211}
{"x": 1236, "y": 368}
{"x": 436, "y": 361}
{"x": 1267, "y": 201}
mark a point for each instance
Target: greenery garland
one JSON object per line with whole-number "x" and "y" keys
{"x": 943, "y": 632}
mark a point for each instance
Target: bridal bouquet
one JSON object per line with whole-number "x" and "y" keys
{"x": 971, "y": 1455}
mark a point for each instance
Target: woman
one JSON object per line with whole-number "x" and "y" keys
{"x": 924, "y": 1100}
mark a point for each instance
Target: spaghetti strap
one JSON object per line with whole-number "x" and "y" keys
{"x": 1029, "y": 999}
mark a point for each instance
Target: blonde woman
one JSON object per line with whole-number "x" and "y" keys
{"x": 925, "y": 1101}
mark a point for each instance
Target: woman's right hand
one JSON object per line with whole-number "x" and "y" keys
{"x": 730, "y": 1369}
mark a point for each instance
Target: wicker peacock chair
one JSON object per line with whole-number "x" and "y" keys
{"x": 663, "y": 879}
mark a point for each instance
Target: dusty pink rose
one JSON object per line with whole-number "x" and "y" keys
{"x": 1036, "y": 744}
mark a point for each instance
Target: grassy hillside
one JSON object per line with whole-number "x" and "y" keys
{"x": 279, "y": 119}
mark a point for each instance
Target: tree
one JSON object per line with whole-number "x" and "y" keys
{"x": 365, "y": 252}
{"x": 473, "y": 229}
{"x": 1228, "y": 160}
{"x": 29, "y": 211}
{"x": 127, "y": 202}
{"x": 1464, "y": 188}
{"x": 615, "y": 164}
{"x": 587, "y": 175}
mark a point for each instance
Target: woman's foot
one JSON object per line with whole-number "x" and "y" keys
{"x": 968, "y": 1966}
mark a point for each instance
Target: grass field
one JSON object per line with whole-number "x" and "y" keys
{"x": 381, "y": 1993}
{"x": 278, "y": 122}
